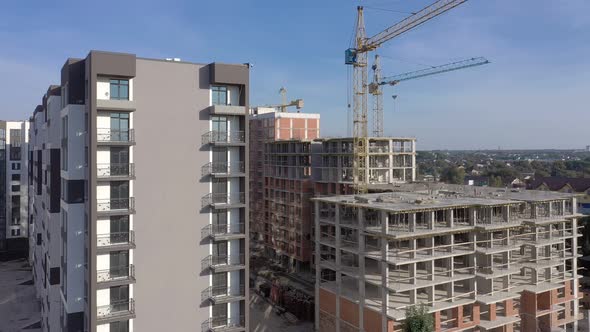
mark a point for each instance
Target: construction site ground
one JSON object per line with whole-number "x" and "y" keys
{"x": 263, "y": 318}
{"x": 19, "y": 308}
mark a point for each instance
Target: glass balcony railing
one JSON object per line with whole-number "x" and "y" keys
{"x": 223, "y": 262}
{"x": 105, "y": 135}
{"x": 223, "y": 168}
{"x": 223, "y": 137}
{"x": 115, "y": 205}
{"x": 115, "y": 239}
{"x": 223, "y": 230}
{"x": 106, "y": 171}
{"x": 220, "y": 199}
{"x": 117, "y": 273}
{"x": 224, "y": 324}
{"x": 124, "y": 308}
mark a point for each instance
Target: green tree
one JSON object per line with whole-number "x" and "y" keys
{"x": 453, "y": 175}
{"x": 496, "y": 181}
{"x": 418, "y": 320}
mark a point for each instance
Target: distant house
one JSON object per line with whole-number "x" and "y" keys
{"x": 517, "y": 183}
{"x": 429, "y": 178}
{"x": 566, "y": 185}
{"x": 480, "y": 181}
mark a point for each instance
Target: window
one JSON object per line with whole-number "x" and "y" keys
{"x": 119, "y": 326}
{"x": 15, "y": 166}
{"x": 15, "y": 144}
{"x": 15, "y": 177}
{"x": 15, "y": 188}
{"x": 120, "y": 127}
{"x": 120, "y": 89}
{"x": 15, "y": 232}
{"x": 64, "y": 143}
{"x": 219, "y": 95}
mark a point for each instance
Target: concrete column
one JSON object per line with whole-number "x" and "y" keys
{"x": 413, "y": 160}
{"x": 506, "y": 213}
{"x": 472, "y": 216}
{"x": 317, "y": 260}
{"x": 384, "y": 271}
{"x": 576, "y": 287}
{"x": 361, "y": 257}
{"x": 430, "y": 264}
{"x": 413, "y": 293}
{"x": 338, "y": 264}
{"x": 431, "y": 219}
{"x": 412, "y": 222}
{"x": 450, "y": 218}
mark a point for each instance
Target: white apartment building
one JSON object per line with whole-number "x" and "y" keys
{"x": 13, "y": 183}
{"x": 147, "y": 159}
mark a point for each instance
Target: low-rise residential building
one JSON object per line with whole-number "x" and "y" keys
{"x": 580, "y": 186}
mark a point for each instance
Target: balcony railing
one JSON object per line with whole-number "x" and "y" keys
{"x": 116, "y": 273}
{"x": 224, "y": 323}
{"x": 116, "y": 309}
{"x": 223, "y": 199}
{"x": 223, "y": 262}
{"x": 223, "y": 230}
{"x": 115, "y": 205}
{"x": 115, "y": 135}
{"x": 223, "y": 168}
{"x": 104, "y": 171}
{"x": 220, "y": 294}
{"x": 223, "y": 137}
{"x": 115, "y": 239}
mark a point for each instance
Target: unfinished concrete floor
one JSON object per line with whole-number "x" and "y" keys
{"x": 19, "y": 308}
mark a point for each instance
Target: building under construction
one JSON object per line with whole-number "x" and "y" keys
{"x": 290, "y": 164}
{"x": 281, "y": 184}
{"x": 479, "y": 259}
{"x": 390, "y": 160}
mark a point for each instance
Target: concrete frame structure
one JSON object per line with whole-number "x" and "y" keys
{"x": 14, "y": 214}
{"x": 281, "y": 183}
{"x": 389, "y": 159}
{"x": 140, "y": 196}
{"x": 480, "y": 259}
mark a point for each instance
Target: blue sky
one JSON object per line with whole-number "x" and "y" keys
{"x": 533, "y": 95}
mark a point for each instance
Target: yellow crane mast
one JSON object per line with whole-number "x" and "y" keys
{"x": 357, "y": 57}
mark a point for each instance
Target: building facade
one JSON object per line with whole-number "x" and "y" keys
{"x": 14, "y": 214}
{"x": 281, "y": 184}
{"x": 388, "y": 160}
{"x": 479, "y": 259}
{"x": 140, "y": 186}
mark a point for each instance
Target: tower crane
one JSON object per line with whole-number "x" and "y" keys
{"x": 298, "y": 103}
{"x": 357, "y": 57}
{"x": 376, "y": 90}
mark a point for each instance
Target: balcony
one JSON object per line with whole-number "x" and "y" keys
{"x": 115, "y": 104}
{"x": 224, "y": 138}
{"x": 224, "y": 200}
{"x": 223, "y": 294}
{"x": 115, "y": 276}
{"x": 224, "y": 324}
{"x": 115, "y": 241}
{"x": 108, "y": 136}
{"x": 116, "y": 311}
{"x": 224, "y": 231}
{"x": 115, "y": 206}
{"x": 224, "y": 169}
{"x": 222, "y": 263}
{"x": 115, "y": 171}
{"x": 227, "y": 110}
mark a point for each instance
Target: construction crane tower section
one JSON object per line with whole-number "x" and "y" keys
{"x": 357, "y": 57}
